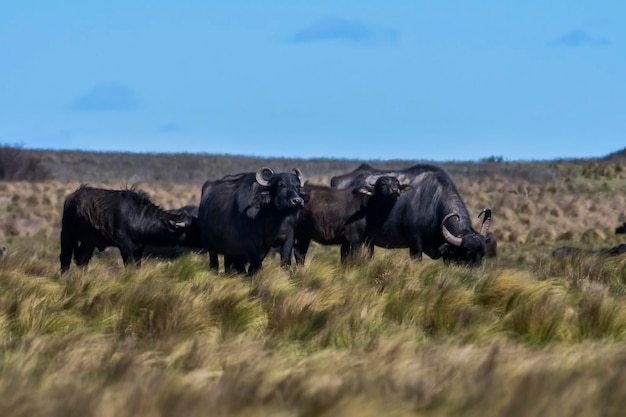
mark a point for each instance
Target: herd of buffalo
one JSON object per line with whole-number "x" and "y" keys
{"x": 245, "y": 216}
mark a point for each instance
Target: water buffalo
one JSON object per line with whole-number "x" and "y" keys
{"x": 344, "y": 216}
{"x": 430, "y": 218}
{"x": 619, "y": 230}
{"x": 241, "y": 216}
{"x": 2, "y": 251}
{"x": 126, "y": 219}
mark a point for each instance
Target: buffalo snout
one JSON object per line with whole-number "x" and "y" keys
{"x": 297, "y": 202}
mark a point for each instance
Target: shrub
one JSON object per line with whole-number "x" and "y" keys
{"x": 16, "y": 165}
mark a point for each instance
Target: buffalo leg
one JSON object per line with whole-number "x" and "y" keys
{"x": 67, "y": 247}
{"x": 233, "y": 265}
{"x": 83, "y": 253}
{"x": 256, "y": 262}
{"x": 214, "y": 262}
{"x": 300, "y": 248}
{"x": 131, "y": 254}
{"x": 415, "y": 252}
{"x": 349, "y": 248}
{"x": 345, "y": 251}
{"x": 286, "y": 250}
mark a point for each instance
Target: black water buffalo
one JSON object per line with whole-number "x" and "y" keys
{"x": 2, "y": 251}
{"x": 571, "y": 251}
{"x": 241, "y": 216}
{"x": 344, "y": 216}
{"x": 619, "y": 230}
{"x": 430, "y": 218}
{"x": 126, "y": 219}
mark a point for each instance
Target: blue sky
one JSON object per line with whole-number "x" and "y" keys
{"x": 438, "y": 80}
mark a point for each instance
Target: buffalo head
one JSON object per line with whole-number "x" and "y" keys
{"x": 281, "y": 190}
{"x": 469, "y": 248}
{"x": 386, "y": 186}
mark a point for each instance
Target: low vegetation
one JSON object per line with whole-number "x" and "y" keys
{"x": 524, "y": 334}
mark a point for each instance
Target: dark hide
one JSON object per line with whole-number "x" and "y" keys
{"x": 2, "y": 251}
{"x": 126, "y": 219}
{"x": 620, "y": 229}
{"x": 571, "y": 251}
{"x": 344, "y": 216}
{"x": 241, "y": 219}
{"x": 416, "y": 219}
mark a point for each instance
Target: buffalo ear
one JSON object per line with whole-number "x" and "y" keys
{"x": 365, "y": 189}
{"x": 445, "y": 248}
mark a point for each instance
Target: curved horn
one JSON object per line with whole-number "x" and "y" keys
{"x": 299, "y": 174}
{"x": 486, "y": 221}
{"x": 450, "y": 238}
{"x": 259, "y": 176}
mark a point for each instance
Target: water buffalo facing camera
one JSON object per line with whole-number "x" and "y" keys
{"x": 242, "y": 215}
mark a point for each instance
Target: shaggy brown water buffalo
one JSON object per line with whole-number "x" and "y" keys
{"x": 126, "y": 219}
{"x": 241, "y": 216}
{"x": 344, "y": 217}
{"x": 430, "y": 218}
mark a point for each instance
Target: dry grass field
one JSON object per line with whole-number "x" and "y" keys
{"x": 523, "y": 335}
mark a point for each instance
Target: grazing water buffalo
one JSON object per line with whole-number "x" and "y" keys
{"x": 430, "y": 218}
{"x": 126, "y": 219}
{"x": 344, "y": 216}
{"x": 241, "y": 216}
{"x": 620, "y": 229}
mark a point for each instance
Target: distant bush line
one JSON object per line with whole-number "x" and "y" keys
{"x": 195, "y": 168}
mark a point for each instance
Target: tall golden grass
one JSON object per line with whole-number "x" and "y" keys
{"x": 524, "y": 334}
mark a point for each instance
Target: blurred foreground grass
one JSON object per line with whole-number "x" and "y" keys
{"x": 387, "y": 337}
